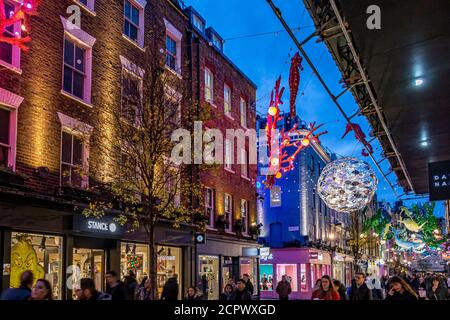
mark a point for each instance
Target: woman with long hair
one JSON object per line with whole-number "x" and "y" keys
{"x": 143, "y": 292}
{"x": 400, "y": 290}
{"x": 326, "y": 290}
{"x": 42, "y": 290}
{"x": 437, "y": 290}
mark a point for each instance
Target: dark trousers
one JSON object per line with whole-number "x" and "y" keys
{"x": 284, "y": 298}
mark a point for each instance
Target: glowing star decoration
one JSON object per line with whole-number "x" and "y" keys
{"x": 20, "y": 14}
{"x": 347, "y": 184}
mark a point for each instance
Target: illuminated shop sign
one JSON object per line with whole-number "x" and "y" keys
{"x": 105, "y": 226}
{"x": 439, "y": 180}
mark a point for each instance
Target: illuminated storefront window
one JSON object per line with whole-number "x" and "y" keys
{"x": 303, "y": 283}
{"x": 42, "y": 254}
{"x": 290, "y": 271}
{"x": 88, "y": 263}
{"x": 169, "y": 265}
{"x": 266, "y": 277}
{"x": 227, "y": 271}
{"x": 134, "y": 258}
{"x": 248, "y": 266}
{"x": 208, "y": 269}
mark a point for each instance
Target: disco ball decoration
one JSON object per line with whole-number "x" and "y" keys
{"x": 347, "y": 184}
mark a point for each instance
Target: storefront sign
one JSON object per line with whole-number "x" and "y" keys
{"x": 200, "y": 238}
{"x": 250, "y": 252}
{"x": 105, "y": 226}
{"x": 313, "y": 255}
{"x": 293, "y": 228}
{"x": 265, "y": 254}
{"x": 439, "y": 180}
{"x": 166, "y": 258}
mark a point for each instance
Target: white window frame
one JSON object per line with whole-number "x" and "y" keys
{"x": 85, "y": 41}
{"x": 89, "y": 6}
{"x": 210, "y": 206}
{"x": 176, "y": 36}
{"x": 209, "y": 88}
{"x": 140, "y": 5}
{"x": 228, "y": 213}
{"x": 77, "y": 128}
{"x": 11, "y": 102}
{"x": 229, "y": 155}
{"x": 227, "y": 102}
{"x": 244, "y": 163}
{"x": 198, "y": 23}
{"x": 15, "y": 59}
{"x": 243, "y": 112}
{"x": 133, "y": 71}
{"x": 244, "y": 217}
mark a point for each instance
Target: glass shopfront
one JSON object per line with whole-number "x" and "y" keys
{"x": 227, "y": 271}
{"x": 134, "y": 258}
{"x": 42, "y": 254}
{"x": 208, "y": 268}
{"x": 266, "y": 277}
{"x": 290, "y": 271}
{"x": 168, "y": 266}
{"x": 249, "y": 266}
{"x": 88, "y": 263}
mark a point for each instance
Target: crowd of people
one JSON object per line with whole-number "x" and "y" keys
{"x": 363, "y": 287}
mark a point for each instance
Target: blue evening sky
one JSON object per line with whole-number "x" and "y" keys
{"x": 264, "y": 57}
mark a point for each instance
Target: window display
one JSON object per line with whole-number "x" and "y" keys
{"x": 134, "y": 258}
{"x": 88, "y": 263}
{"x": 290, "y": 271}
{"x": 208, "y": 269}
{"x": 168, "y": 266}
{"x": 42, "y": 254}
{"x": 248, "y": 266}
{"x": 303, "y": 283}
{"x": 227, "y": 271}
{"x": 266, "y": 276}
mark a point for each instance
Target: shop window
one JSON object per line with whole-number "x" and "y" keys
{"x": 209, "y": 276}
{"x": 313, "y": 275}
{"x": 88, "y": 263}
{"x": 249, "y": 266}
{"x": 303, "y": 283}
{"x": 275, "y": 196}
{"x": 169, "y": 266}
{"x": 228, "y": 206}
{"x": 290, "y": 271}
{"x": 209, "y": 206}
{"x": 42, "y": 254}
{"x": 266, "y": 277}
{"x": 227, "y": 271}
{"x": 134, "y": 258}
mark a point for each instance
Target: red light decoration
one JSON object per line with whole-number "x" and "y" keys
{"x": 360, "y": 136}
{"x": 22, "y": 13}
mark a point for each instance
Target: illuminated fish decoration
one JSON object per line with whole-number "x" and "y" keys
{"x": 407, "y": 245}
{"x": 410, "y": 224}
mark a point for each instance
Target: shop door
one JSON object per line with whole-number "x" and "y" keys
{"x": 90, "y": 263}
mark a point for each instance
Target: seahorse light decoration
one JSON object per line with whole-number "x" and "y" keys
{"x": 23, "y": 258}
{"x": 294, "y": 81}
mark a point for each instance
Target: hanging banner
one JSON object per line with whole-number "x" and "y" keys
{"x": 439, "y": 180}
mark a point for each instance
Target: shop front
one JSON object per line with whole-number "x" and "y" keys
{"x": 343, "y": 268}
{"x": 222, "y": 260}
{"x": 301, "y": 266}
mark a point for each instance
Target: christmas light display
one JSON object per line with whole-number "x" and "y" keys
{"x": 360, "y": 136}
{"x": 347, "y": 184}
{"x": 20, "y": 13}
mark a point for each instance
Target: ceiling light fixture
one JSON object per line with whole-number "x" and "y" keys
{"x": 418, "y": 82}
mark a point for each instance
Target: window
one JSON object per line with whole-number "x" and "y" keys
{"x": 244, "y": 216}
{"x": 209, "y": 86}
{"x": 198, "y": 23}
{"x": 173, "y": 47}
{"x": 244, "y": 163}
{"x": 243, "y": 107}
{"x": 134, "y": 257}
{"x": 88, "y": 4}
{"x": 74, "y": 69}
{"x": 133, "y": 26}
{"x": 5, "y": 139}
{"x": 228, "y": 155}
{"x": 131, "y": 97}
{"x": 266, "y": 277}
{"x": 227, "y": 100}
{"x": 8, "y": 53}
{"x": 290, "y": 271}
{"x": 228, "y": 205}
{"x": 9, "y": 104}
{"x": 208, "y": 267}
{"x": 275, "y": 196}
{"x": 217, "y": 42}
{"x": 303, "y": 283}
{"x": 171, "y": 53}
{"x": 72, "y": 161}
{"x": 169, "y": 264}
{"x": 209, "y": 206}
{"x": 172, "y": 186}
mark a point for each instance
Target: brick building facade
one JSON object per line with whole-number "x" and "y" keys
{"x": 55, "y": 92}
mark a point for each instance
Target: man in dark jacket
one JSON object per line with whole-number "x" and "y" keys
{"x": 88, "y": 292}
{"x": 283, "y": 288}
{"x": 248, "y": 283}
{"x": 116, "y": 289}
{"x": 24, "y": 291}
{"x": 170, "y": 290}
{"x": 130, "y": 284}
{"x": 241, "y": 293}
{"x": 359, "y": 290}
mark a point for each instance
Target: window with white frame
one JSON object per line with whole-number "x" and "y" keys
{"x": 173, "y": 47}
{"x": 209, "y": 206}
{"x": 243, "y": 109}
{"x": 244, "y": 216}
{"x": 9, "y": 104}
{"x": 5, "y": 137}
{"x": 227, "y": 99}
{"x": 244, "y": 163}
{"x": 10, "y": 54}
{"x": 171, "y": 52}
{"x": 131, "y": 97}
{"x": 217, "y": 42}
{"x": 228, "y": 206}
{"x": 73, "y": 154}
{"x": 228, "y": 154}
{"x": 198, "y": 23}
{"x": 88, "y": 4}
{"x": 133, "y": 26}
{"x": 209, "y": 86}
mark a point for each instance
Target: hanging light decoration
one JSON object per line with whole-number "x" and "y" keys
{"x": 347, "y": 184}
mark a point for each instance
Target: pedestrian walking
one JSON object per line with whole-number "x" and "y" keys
{"x": 89, "y": 292}
{"x": 130, "y": 284}
{"x": 170, "y": 289}
{"x": 437, "y": 290}
{"x": 326, "y": 290}
{"x": 192, "y": 294}
{"x": 24, "y": 290}
{"x": 359, "y": 289}
{"x": 143, "y": 292}
{"x": 340, "y": 289}
{"x": 116, "y": 288}
{"x": 227, "y": 293}
{"x": 248, "y": 283}
{"x": 422, "y": 289}
{"x": 241, "y": 293}
{"x": 42, "y": 290}
{"x": 377, "y": 292}
{"x": 283, "y": 288}
{"x": 400, "y": 290}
